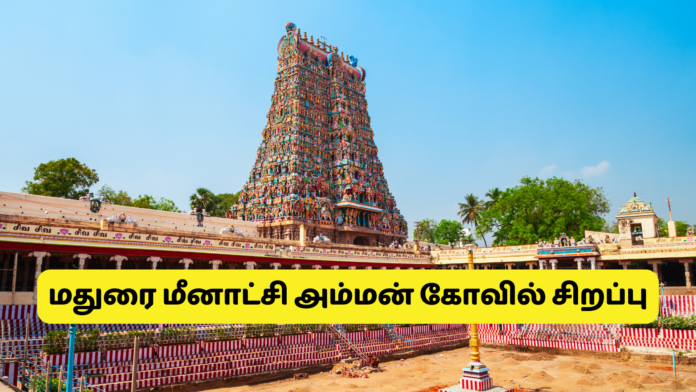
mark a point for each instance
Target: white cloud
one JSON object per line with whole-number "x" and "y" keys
{"x": 590, "y": 171}
{"x": 547, "y": 171}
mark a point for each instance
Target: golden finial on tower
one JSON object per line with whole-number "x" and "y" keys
{"x": 299, "y": 33}
{"x": 341, "y": 54}
{"x": 311, "y": 39}
{"x": 305, "y": 36}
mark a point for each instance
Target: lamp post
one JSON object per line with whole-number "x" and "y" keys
{"x": 473, "y": 339}
{"x": 71, "y": 358}
{"x": 475, "y": 375}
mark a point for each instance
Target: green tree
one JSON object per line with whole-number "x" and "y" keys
{"x": 538, "y": 209}
{"x": 166, "y": 205}
{"x": 611, "y": 228}
{"x": 223, "y": 203}
{"x": 150, "y": 202}
{"x": 425, "y": 230}
{"x": 203, "y": 199}
{"x": 470, "y": 211}
{"x": 493, "y": 195}
{"x": 66, "y": 178}
{"x": 448, "y": 232}
{"x": 120, "y": 198}
{"x": 663, "y": 229}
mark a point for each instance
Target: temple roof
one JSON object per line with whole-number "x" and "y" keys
{"x": 635, "y": 205}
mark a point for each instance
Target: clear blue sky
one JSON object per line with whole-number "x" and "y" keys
{"x": 162, "y": 97}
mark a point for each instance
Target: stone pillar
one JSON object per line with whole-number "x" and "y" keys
{"x": 351, "y": 268}
{"x": 410, "y": 268}
{"x": 275, "y": 266}
{"x": 541, "y": 264}
{"x": 186, "y": 263}
{"x": 530, "y": 264}
{"x": 625, "y": 264}
{"x": 592, "y": 262}
{"x": 82, "y": 257}
{"x": 579, "y": 261}
{"x": 687, "y": 270}
{"x": 296, "y": 266}
{"x": 553, "y": 263}
{"x": 154, "y": 261}
{"x": 486, "y": 266}
{"x": 368, "y": 267}
{"x": 656, "y": 268}
{"x": 215, "y": 263}
{"x": 39, "y": 261}
{"x": 600, "y": 265}
{"x": 250, "y": 265}
{"x": 318, "y": 267}
{"x": 382, "y": 268}
{"x": 118, "y": 259}
{"x": 333, "y": 267}
{"x": 66, "y": 262}
{"x": 509, "y": 266}
{"x": 397, "y": 268}
{"x": 303, "y": 235}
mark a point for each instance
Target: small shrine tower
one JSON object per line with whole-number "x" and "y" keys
{"x": 317, "y": 164}
{"x": 637, "y": 221}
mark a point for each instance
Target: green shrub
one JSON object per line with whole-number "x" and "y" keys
{"x": 56, "y": 342}
{"x": 38, "y": 384}
{"x": 669, "y": 322}
{"x": 86, "y": 341}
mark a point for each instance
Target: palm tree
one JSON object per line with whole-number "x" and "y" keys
{"x": 470, "y": 211}
{"x": 203, "y": 199}
{"x": 494, "y": 195}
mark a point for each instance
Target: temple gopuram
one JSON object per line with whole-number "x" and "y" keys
{"x": 317, "y": 167}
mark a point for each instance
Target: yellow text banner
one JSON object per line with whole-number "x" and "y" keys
{"x": 348, "y": 296}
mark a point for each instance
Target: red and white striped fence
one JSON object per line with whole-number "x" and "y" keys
{"x": 178, "y": 350}
{"x": 80, "y": 358}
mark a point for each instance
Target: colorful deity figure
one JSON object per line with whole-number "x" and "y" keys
{"x": 95, "y": 205}
{"x": 318, "y": 142}
{"x": 564, "y": 241}
{"x": 122, "y": 217}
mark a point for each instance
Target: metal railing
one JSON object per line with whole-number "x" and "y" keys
{"x": 36, "y": 375}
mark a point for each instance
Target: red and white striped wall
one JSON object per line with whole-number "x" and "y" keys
{"x": 80, "y": 358}
{"x": 11, "y": 371}
{"x": 18, "y": 312}
{"x": 127, "y": 354}
{"x": 476, "y": 384}
{"x": 671, "y": 305}
{"x": 178, "y": 350}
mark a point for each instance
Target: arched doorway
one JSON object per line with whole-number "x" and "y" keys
{"x": 361, "y": 241}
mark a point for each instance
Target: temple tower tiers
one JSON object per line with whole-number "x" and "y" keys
{"x": 317, "y": 165}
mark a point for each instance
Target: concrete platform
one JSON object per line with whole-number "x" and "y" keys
{"x": 458, "y": 388}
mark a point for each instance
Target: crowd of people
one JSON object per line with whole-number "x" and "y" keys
{"x": 564, "y": 241}
{"x": 396, "y": 245}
